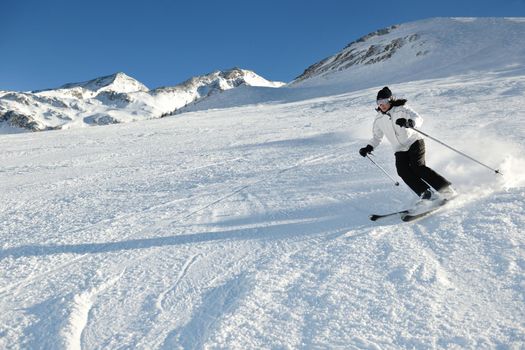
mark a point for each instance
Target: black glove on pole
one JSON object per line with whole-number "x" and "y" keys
{"x": 366, "y": 150}
{"x": 405, "y": 123}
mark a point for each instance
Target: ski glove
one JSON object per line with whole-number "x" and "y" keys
{"x": 405, "y": 123}
{"x": 366, "y": 150}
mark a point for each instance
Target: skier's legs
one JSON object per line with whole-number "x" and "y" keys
{"x": 416, "y": 155}
{"x": 405, "y": 171}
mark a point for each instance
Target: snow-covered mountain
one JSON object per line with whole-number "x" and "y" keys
{"x": 115, "y": 83}
{"x": 197, "y": 89}
{"x": 424, "y": 49}
{"x": 114, "y": 99}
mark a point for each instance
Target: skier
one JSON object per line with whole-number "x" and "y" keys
{"x": 395, "y": 120}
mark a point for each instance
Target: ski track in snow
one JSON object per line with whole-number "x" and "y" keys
{"x": 163, "y": 296}
{"x": 78, "y": 319}
{"x": 113, "y": 221}
{"x": 248, "y": 228}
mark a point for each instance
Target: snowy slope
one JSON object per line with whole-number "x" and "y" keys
{"x": 246, "y": 228}
{"x": 113, "y": 99}
{"x": 432, "y": 48}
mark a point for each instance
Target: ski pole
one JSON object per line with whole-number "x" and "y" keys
{"x": 455, "y": 150}
{"x": 383, "y": 170}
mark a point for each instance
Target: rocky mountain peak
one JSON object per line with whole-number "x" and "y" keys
{"x": 369, "y": 49}
{"x": 117, "y": 82}
{"x": 423, "y": 49}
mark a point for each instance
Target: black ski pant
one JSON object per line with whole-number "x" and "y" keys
{"x": 411, "y": 168}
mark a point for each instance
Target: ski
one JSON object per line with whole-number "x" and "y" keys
{"x": 375, "y": 217}
{"x": 406, "y": 214}
{"x": 411, "y": 217}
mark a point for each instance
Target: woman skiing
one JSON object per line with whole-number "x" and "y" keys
{"x": 395, "y": 120}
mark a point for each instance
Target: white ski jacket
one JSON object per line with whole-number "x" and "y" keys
{"x": 399, "y": 137}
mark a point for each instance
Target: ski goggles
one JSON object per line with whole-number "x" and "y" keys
{"x": 383, "y": 101}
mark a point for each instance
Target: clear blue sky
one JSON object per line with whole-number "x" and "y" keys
{"x": 47, "y": 43}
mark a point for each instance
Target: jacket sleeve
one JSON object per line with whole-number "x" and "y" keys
{"x": 411, "y": 114}
{"x": 377, "y": 135}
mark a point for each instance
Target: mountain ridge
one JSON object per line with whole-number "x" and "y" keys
{"x": 114, "y": 98}
{"x": 429, "y": 48}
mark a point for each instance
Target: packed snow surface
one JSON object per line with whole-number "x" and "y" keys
{"x": 247, "y": 228}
